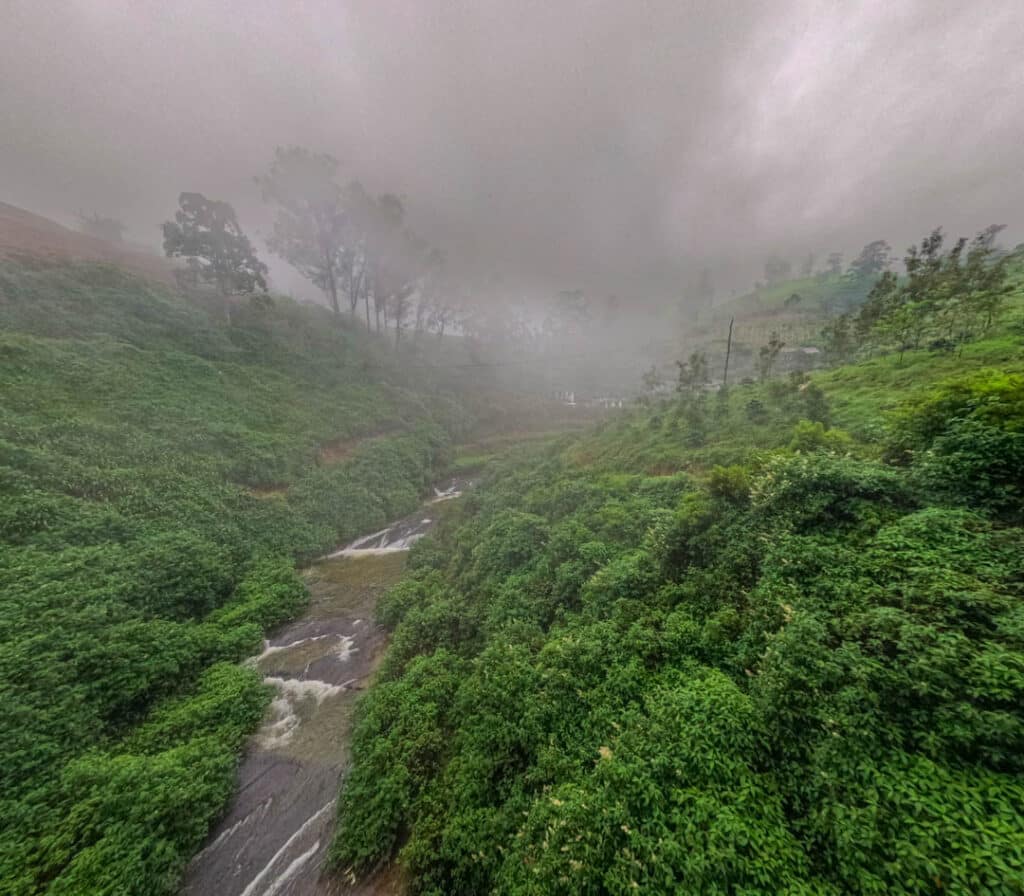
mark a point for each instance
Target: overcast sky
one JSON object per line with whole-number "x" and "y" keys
{"x": 608, "y": 144}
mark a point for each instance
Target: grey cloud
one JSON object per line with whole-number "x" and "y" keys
{"x": 609, "y": 144}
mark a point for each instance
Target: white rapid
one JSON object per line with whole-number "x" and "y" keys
{"x": 255, "y": 887}
{"x": 402, "y": 535}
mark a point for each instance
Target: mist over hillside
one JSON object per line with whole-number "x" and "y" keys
{"x": 596, "y": 146}
{"x": 522, "y": 448}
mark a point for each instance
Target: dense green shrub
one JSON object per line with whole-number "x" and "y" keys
{"x": 966, "y": 441}
{"x": 159, "y": 478}
{"x": 813, "y": 436}
{"x": 804, "y": 675}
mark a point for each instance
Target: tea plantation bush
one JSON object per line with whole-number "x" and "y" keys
{"x": 799, "y": 671}
{"x": 160, "y": 476}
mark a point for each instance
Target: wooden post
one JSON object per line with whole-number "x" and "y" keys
{"x": 728, "y": 351}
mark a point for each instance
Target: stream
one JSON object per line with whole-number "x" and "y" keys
{"x": 275, "y": 835}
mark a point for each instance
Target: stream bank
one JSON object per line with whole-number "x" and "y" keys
{"x": 275, "y": 835}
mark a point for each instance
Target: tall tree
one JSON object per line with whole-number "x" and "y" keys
{"x": 206, "y": 233}
{"x": 693, "y": 373}
{"x": 873, "y": 259}
{"x": 880, "y": 301}
{"x": 310, "y": 225}
{"x": 986, "y": 277}
{"x": 769, "y": 354}
{"x": 653, "y": 382}
{"x": 432, "y": 287}
{"x": 922, "y": 290}
{"x": 860, "y": 276}
{"x": 441, "y": 317}
{"x": 361, "y": 209}
{"x": 838, "y": 340}
{"x": 390, "y": 247}
{"x": 388, "y": 257}
{"x": 901, "y": 326}
{"x": 979, "y": 289}
{"x": 400, "y": 303}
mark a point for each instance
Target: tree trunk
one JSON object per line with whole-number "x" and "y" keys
{"x": 420, "y": 316}
{"x": 728, "y": 352}
{"x": 332, "y": 284}
{"x": 332, "y": 292}
{"x": 355, "y": 286}
{"x": 225, "y": 298}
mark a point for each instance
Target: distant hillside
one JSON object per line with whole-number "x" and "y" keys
{"x": 811, "y": 294}
{"x": 25, "y": 233}
{"x": 795, "y": 309}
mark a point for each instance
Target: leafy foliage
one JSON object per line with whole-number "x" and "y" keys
{"x": 207, "y": 233}
{"x": 948, "y": 297}
{"x": 797, "y": 670}
{"x": 310, "y": 223}
{"x": 160, "y": 474}
{"x": 967, "y": 441}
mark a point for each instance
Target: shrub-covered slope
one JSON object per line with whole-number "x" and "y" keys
{"x": 160, "y": 474}
{"x": 720, "y": 647}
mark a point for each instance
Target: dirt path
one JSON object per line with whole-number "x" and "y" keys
{"x": 275, "y": 836}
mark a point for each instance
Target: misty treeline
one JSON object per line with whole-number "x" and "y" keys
{"x": 874, "y": 256}
{"x": 372, "y": 266}
{"x": 853, "y": 283}
{"x": 844, "y": 288}
{"x": 945, "y": 296}
{"x": 945, "y": 299}
{"x": 357, "y": 248}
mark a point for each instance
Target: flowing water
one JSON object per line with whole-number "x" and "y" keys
{"x": 273, "y": 840}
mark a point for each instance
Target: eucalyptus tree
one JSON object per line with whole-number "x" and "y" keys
{"x": 207, "y": 234}
{"x": 311, "y": 224}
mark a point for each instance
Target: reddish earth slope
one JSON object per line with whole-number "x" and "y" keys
{"x": 25, "y": 233}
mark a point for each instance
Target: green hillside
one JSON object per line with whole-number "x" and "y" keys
{"x": 813, "y": 295}
{"x": 763, "y": 639}
{"x": 160, "y": 475}
{"x": 768, "y": 641}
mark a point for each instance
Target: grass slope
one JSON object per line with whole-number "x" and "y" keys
{"x": 159, "y": 478}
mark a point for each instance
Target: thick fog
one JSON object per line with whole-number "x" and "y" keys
{"x": 613, "y": 146}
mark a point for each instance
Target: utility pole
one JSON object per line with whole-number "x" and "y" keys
{"x": 728, "y": 351}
